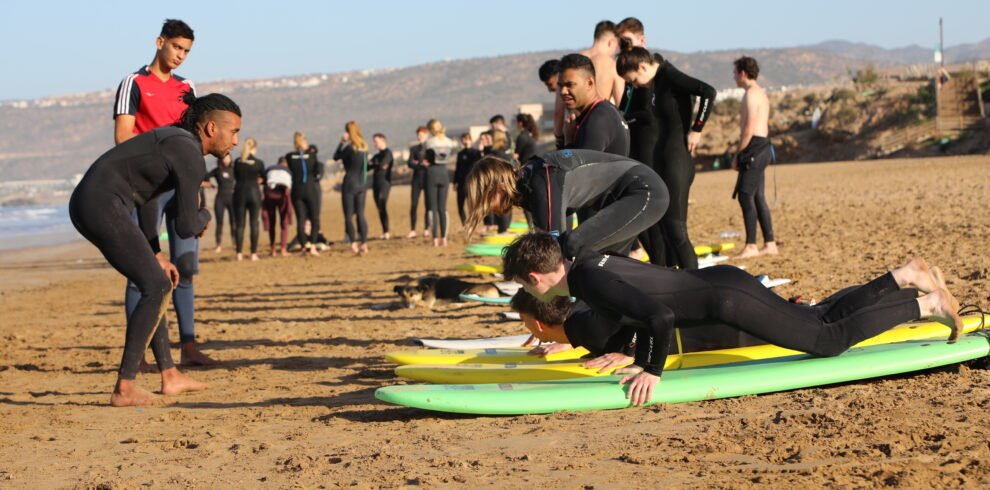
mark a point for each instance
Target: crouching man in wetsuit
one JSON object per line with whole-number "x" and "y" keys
{"x": 652, "y": 299}
{"x": 130, "y": 176}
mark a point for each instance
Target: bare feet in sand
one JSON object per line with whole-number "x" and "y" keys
{"x": 385, "y": 236}
{"x": 941, "y": 306}
{"x": 363, "y": 250}
{"x": 274, "y": 252}
{"x": 192, "y": 356}
{"x": 254, "y": 257}
{"x": 412, "y": 234}
{"x": 770, "y": 248}
{"x": 128, "y": 394}
{"x": 748, "y": 252}
{"x": 355, "y": 247}
{"x": 174, "y": 382}
{"x": 218, "y": 249}
{"x": 284, "y": 253}
{"x": 240, "y": 256}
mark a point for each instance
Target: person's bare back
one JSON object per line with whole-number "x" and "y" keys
{"x": 755, "y": 113}
{"x": 610, "y": 84}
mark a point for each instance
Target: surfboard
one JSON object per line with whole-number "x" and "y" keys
{"x": 535, "y": 370}
{"x": 486, "y": 356}
{"x": 503, "y": 300}
{"x": 499, "y": 239}
{"x": 689, "y": 385}
{"x": 507, "y": 341}
{"x": 494, "y": 249}
{"x": 510, "y": 315}
{"x": 480, "y": 268}
{"x": 702, "y": 250}
{"x": 509, "y": 288}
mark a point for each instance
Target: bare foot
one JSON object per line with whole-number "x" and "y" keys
{"x": 313, "y": 251}
{"x": 174, "y": 382}
{"x": 128, "y": 394}
{"x": 355, "y": 247}
{"x": 637, "y": 254}
{"x": 285, "y": 253}
{"x": 412, "y": 234}
{"x": 769, "y": 248}
{"x": 915, "y": 274}
{"x": 364, "y": 249}
{"x": 941, "y": 306}
{"x": 386, "y": 236}
{"x": 240, "y": 256}
{"x": 426, "y": 233}
{"x": 748, "y": 252}
{"x": 192, "y": 356}
{"x": 254, "y": 257}
{"x": 436, "y": 242}
{"x": 443, "y": 242}
{"x": 938, "y": 277}
{"x": 218, "y": 249}
{"x": 274, "y": 252}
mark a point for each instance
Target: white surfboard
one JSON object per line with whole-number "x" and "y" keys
{"x": 492, "y": 343}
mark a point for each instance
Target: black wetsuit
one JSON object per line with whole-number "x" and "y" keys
{"x": 626, "y": 196}
{"x": 637, "y": 109}
{"x": 750, "y": 187}
{"x": 601, "y": 127}
{"x": 525, "y": 147}
{"x": 438, "y": 152}
{"x": 224, "y": 200}
{"x": 672, "y": 105}
{"x": 382, "y": 183}
{"x": 466, "y": 158}
{"x": 354, "y": 190}
{"x": 130, "y": 176}
{"x": 417, "y": 184}
{"x": 247, "y": 199}
{"x": 306, "y": 173}
{"x": 653, "y": 299}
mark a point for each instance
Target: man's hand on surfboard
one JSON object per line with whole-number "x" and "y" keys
{"x": 608, "y": 362}
{"x": 640, "y": 387}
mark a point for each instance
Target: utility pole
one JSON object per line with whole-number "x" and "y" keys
{"x": 941, "y": 45}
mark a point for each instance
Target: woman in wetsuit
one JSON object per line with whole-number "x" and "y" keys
{"x": 249, "y": 175}
{"x": 626, "y": 195}
{"x": 277, "y": 206}
{"x": 353, "y": 152}
{"x": 438, "y": 151}
{"x": 223, "y": 174}
{"x": 306, "y": 193}
{"x": 678, "y": 135}
{"x": 653, "y": 299}
{"x": 382, "y": 179}
{"x": 466, "y": 158}
{"x": 131, "y": 175}
{"x": 529, "y": 132}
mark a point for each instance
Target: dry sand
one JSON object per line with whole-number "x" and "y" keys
{"x": 302, "y": 350}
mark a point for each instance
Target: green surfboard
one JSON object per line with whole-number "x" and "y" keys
{"x": 689, "y": 385}
{"x": 502, "y": 300}
{"x": 485, "y": 249}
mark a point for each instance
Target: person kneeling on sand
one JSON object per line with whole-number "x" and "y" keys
{"x": 653, "y": 299}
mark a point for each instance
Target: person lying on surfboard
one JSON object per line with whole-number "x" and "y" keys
{"x": 652, "y": 299}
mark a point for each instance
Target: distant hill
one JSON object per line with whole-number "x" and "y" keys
{"x": 60, "y": 136}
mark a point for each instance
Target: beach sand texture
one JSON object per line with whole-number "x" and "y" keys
{"x": 292, "y": 404}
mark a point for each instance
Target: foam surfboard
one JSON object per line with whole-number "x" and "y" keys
{"x": 489, "y": 249}
{"x": 689, "y": 385}
{"x": 509, "y": 288}
{"x": 507, "y": 341}
{"x": 499, "y": 239}
{"x": 486, "y": 356}
{"x": 510, "y": 315}
{"x": 535, "y": 370}
{"x": 502, "y": 300}
{"x": 480, "y": 268}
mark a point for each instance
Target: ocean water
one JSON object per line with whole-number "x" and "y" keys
{"x": 29, "y": 226}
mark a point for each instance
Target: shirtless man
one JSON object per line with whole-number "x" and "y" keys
{"x": 752, "y": 157}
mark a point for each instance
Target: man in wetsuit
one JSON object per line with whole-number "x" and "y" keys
{"x": 652, "y": 299}
{"x": 417, "y": 158}
{"x": 147, "y": 99}
{"x": 128, "y": 178}
{"x": 752, "y": 157}
{"x": 598, "y": 126}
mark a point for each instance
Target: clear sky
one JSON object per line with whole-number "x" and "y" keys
{"x": 60, "y": 47}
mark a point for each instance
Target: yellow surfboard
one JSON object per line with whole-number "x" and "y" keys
{"x": 501, "y": 355}
{"x": 477, "y": 371}
{"x": 503, "y": 239}
{"x": 481, "y": 269}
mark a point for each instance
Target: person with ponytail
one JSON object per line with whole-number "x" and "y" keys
{"x": 249, "y": 175}
{"x": 353, "y": 153}
{"x": 438, "y": 150}
{"x": 223, "y": 202}
{"x": 529, "y": 133}
{"x": 678, "y": 135}
{"x": 382, "y": 180}
{"x": 306, "y": 192}
{"x": 129, "y": 177}
{"x": 626, "y": 196}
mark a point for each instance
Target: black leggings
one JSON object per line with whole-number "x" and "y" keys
{"x": 380, "y": 193}
{"x": 461, "y": 199}
{"x": 436, "y": 202}
{"x": 247, "y": 203}
{"x": 353, "y": 201}
{"x": 223, "y": 203}
{"x": 108, "y": 225}
{"x": 502, "y": 221}
{"x": 754, "y": 207}
{"x": 638, "y": 200}
{"x": 307, "y": 204}
{"x": 678, "y": 175}
{"x": 418, "y": 186}
{"x": 737, "y": 298}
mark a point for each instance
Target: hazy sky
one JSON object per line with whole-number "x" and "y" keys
{"x": 60, "y": 47}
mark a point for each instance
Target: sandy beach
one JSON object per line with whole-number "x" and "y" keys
{"x": 302, "y": 352}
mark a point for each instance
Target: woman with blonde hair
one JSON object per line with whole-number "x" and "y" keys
{"x": 626, "y": 196}
{"x": 249, "y": 174}
{"x": 353, "y": 153}
{"x": 306, "y": 173}
{"x": 439, "y": 149}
